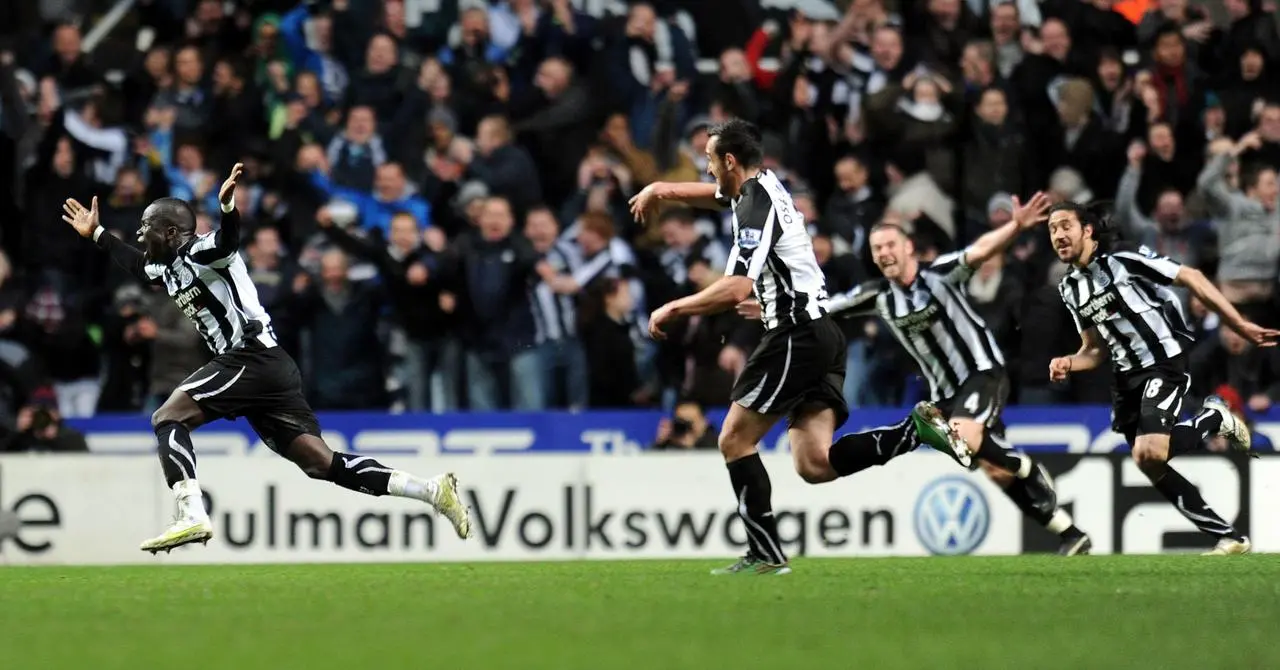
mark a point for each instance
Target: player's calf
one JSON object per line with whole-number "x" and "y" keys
{"x": 173, "y": 423}
{"x": 992, "y": 449}
{"x": 1036, "y": 498}
{"x": 1151, "y": 453}
{"x": 368, "y": 476}
{"x": 1215, "y": 418}
{"x": 855, "y": 452}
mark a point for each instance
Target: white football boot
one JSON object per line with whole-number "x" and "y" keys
{"x": 190, "y": 521}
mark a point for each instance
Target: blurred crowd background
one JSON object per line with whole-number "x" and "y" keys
{"x": 435, "y": 190}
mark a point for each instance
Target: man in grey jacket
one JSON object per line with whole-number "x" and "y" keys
{"x": 1248, "y": 228}
{"x": 1166, "y": 230}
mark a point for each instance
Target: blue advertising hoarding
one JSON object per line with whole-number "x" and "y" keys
{"x": 1084, "y": 429}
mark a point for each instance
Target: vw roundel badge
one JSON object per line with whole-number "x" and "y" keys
{"x": 952, "y": 516}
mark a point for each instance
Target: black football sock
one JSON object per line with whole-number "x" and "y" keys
{"x": 1039, "y": 503}
{"x": 858, "y": 451}
{"x": 1189, "y": 436}
{"x": 177, "y": 456}
{"x": 360, "y": 473}
{"x": 1187, "y": 499}
{"x": 992, "y": 452}
{"x": 753, "y": 491}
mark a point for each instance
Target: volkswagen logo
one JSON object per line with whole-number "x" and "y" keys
{"x": 951, "y": 516}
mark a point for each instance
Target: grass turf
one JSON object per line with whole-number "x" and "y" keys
{"x": 1020, "y": 612}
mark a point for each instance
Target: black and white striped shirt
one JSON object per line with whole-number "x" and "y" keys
{"x": 675, "y": 262}
{"x": 209, "y": 282}
{"x": 1126, "y": 296}
{"x": 555, "y": 315}
{"x": 933, "y": 320}
{"x": 771, "y": 246}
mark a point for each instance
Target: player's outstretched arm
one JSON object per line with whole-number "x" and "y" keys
{"x": 1025, "y": 217}
{"x": 859, "y": 300}
{"x": 226, "y": 242}
{"x": 229, "y": 232}
{"x": 85, "y": 221}
{"x": 1200, "y": 286}
{"x": 694, "y": 194}
{"x": 722, "y": 295}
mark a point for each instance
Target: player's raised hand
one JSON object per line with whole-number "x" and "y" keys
{"x": 228, "y": 190}
{"x": 1259, "y": 336}
{"x": 1034, "y": 211}
{"x": 1059, "y": 368}
{"x": 84, "y": 220}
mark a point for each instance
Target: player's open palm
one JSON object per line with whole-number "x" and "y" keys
{"x": 228, "y": 189}
{"x": 83, "y": 219}
{"x": 1034, "y": 211}
{"x": 644, "y": 203}
{"x": 1262, "y": 337}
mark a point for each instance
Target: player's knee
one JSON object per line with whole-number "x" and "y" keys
{"x": 1148, "y": 458}
{"x": 734, "y": 445}
{"x": 172, "y": 412}
{"x": 813, "y": 466}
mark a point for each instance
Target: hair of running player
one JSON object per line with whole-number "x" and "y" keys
{"x": 1094, "y": 214}
{"x": 174, "y": 212}
{"x": 885, "y": 225}
{"x": 740, "y": 138}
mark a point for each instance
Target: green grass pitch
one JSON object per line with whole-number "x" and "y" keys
{"x": 1037, "y": 612}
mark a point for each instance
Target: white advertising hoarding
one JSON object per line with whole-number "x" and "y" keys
{"x": 95, "y": 510}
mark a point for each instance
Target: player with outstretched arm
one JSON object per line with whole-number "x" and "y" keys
{"x": 250, "y": 375}
{"x": 927, "y": 309}
{"x": 1124, "y": 310}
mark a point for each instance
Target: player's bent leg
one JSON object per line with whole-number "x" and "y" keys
{"x": 1215, "y": 418}
{"x": 1151, "y": 453}
{"x": 173, "y": 423}
{"x": 810, "y": 438}
{"x": 855, "y": 452}
{"x": 989, "y": 450}
{"x": 1033, "y": 492}
{"x": 366, "y": 475}
{"x": 742, "y": 431}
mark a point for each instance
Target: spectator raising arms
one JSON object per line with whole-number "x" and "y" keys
{"x": 472, "y": 162}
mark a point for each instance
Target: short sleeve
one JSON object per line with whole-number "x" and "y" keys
{"x": 756, "y": 231}
{"x": 953, "y": 267}
{"x": 720, "y": 198}
{"x": 859, "y": 301}
{"x": 1148, "y": 264}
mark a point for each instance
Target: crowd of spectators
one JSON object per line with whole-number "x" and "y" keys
{"x": 435, "y": 191}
